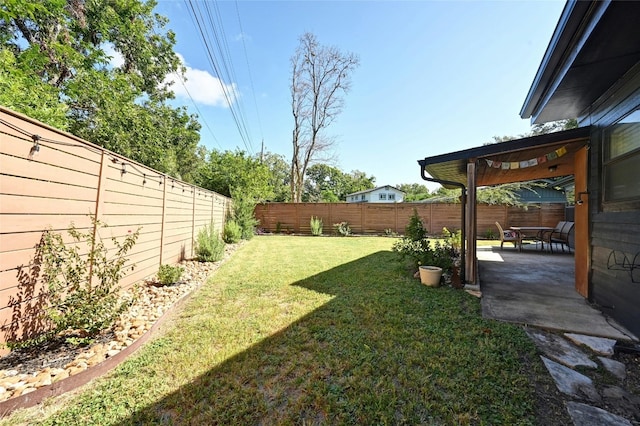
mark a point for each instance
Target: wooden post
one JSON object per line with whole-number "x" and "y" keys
{"x": 471, "y": 262}
{"x": 163, "y": 182}
{"x": 582, "y": 247}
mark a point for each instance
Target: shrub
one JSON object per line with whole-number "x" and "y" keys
{"x": 83, "y": 290}
{"x": 426, "y": 252}
{"x": 342, "y": 228}
{"x": 243, "y": 213}
{"x": 209, "y": 246}
{"x": 232, "y": 232}
{"x": 415, "y": 229}
{"x": 168, "y": 274}
{"x": 316, "y": 226}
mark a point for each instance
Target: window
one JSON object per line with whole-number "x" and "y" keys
{"x": 383, "y": 196}
{"x": 392, "y": 196}
{"x": 363, "y": 197}
{"x": 622, "y": 159}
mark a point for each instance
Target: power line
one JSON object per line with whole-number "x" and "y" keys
{"x": 198, "y": 17}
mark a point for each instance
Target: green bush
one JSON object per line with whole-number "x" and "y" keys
{"x": 209, "y": 246}
{"x": 342, "y": 228}
{"x": 243, "y": 213}
{"x": 232, "y": 233}
{"x": 426, "y": 252}
{"x": 415, "y": 229}
{"x": 316, "y": 226}
{"x": 83, "y": 289}
{"x": 168, "y": 274}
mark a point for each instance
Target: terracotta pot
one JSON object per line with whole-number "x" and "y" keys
{"x": 430, "y": 275}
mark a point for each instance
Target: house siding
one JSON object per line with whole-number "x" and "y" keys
{"x": 614, "y": 228}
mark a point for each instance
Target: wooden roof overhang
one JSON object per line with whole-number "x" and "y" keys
{"x": 452, "y": 167}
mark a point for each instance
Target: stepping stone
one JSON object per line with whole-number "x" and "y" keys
{"x": 583, "y": 414}
{"x": 560, "y": 349}
{"x": 614, "y": 367}
{"x": 570, "y": 382}
{"x": 600, "y": 345}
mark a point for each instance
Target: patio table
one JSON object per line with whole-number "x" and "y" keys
{"x": 540, "y": 230}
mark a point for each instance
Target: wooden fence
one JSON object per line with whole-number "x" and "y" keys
{"x": 375, "y": 218}
{"x": 53, "y": 179}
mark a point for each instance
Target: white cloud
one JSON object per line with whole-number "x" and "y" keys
{"x": 203, "y": 87}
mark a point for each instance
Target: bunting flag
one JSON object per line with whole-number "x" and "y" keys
{"x": 506, "y": 165}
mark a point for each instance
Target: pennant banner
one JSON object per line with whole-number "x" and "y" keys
{"x": 506, "y": 165}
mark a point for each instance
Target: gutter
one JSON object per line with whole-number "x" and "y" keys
{"x": 463, "y": 203}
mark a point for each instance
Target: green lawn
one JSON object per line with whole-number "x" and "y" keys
{"x": 317, "y": 330}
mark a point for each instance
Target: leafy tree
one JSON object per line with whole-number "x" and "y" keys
{"x": 414, "y": 191}
{"x": 229, "y": 171}
{"x": 325, "y": 183}
{"x": 56, "y": 67}
{"x": 320, "y": 75}
{"x": 280, "y": 176}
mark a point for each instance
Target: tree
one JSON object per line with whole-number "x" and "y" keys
{"x": 320, "y": 76}
{"x": 56, "y": 67}
{"x": 237, "y": 172}
{"x": 329, "y": 184}
{"x": 280, "y": 176}
{"x": 414, "y": 191}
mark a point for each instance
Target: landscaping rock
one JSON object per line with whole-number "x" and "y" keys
{"x": 583, "y": 414}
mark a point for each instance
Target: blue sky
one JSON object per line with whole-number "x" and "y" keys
{"x": 434, "y": 76}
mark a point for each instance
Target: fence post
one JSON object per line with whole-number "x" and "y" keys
{"x": 193, "y": 220}
{"x": 163, "y": 181}
{"x": 102, "y": 178}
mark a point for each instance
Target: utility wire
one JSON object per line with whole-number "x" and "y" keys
{"x": 200, "y": 22}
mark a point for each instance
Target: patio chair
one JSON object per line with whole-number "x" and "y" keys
{"x": 562, "y": 237}
{"x": 546, "y": 235}
{"x": 507, "y": 236}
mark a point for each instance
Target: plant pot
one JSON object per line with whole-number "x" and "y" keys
{"x": 430, "y": 275}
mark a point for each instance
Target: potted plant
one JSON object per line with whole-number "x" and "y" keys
{"x": 435, "y": 258}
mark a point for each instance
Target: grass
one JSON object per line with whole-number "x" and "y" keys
{"x": 297, "y": 330}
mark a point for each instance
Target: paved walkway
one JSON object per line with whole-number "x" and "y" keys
{"x": 537, "y": 289}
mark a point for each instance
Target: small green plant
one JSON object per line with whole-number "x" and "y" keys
{"x": 231, "y": 232}
{"x": 490, "y": 234}
{"x": 168, "y": 274}
{"x": 342, "y": 229}
{"x": 316, "y": 226}
{"x": 453, "y": 238}
{"x": 83, "y": 289}
{"x": 209, "y": 245}
{"x": 278, "y": 227}
{"x": 426, "y": 252}
{"x": 415, "y": 229}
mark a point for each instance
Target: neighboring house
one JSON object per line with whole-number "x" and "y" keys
{"x": 590, "y": 71}
{"x": 381, "y": 194}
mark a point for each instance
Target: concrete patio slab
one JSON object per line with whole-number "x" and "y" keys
{"x": 537, "y": 288}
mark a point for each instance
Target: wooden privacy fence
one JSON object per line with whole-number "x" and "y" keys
{"x": 375, "y": 218}
{"x": 49, "y": 181}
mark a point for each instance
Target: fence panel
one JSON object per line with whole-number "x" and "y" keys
{"x": 65, "y": 182}
{"x": 375, "y": 218}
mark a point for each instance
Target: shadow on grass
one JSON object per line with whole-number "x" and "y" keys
{"x": 384, "y": 350}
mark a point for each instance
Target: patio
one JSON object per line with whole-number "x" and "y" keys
{"x": 537, "y": 288}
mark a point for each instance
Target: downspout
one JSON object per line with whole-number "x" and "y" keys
{"x": 463, "y": 203}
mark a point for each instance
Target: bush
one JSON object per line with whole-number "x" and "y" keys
{"x": 415, "y": 229}
{"x": 316, "y": 226}
{"x": 232, "y": 232}
{"x": 168, "y": 274}
{"x": 243, "y": 209}
{"x": 83, "y": 290}
{"x": 426, "y": 252}
{"x": 342, "y": 228}
{"x": 209, "y": 246}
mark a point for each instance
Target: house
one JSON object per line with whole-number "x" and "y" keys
{"x": 590, "y": 71}
{"x": 381, "y": 194}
